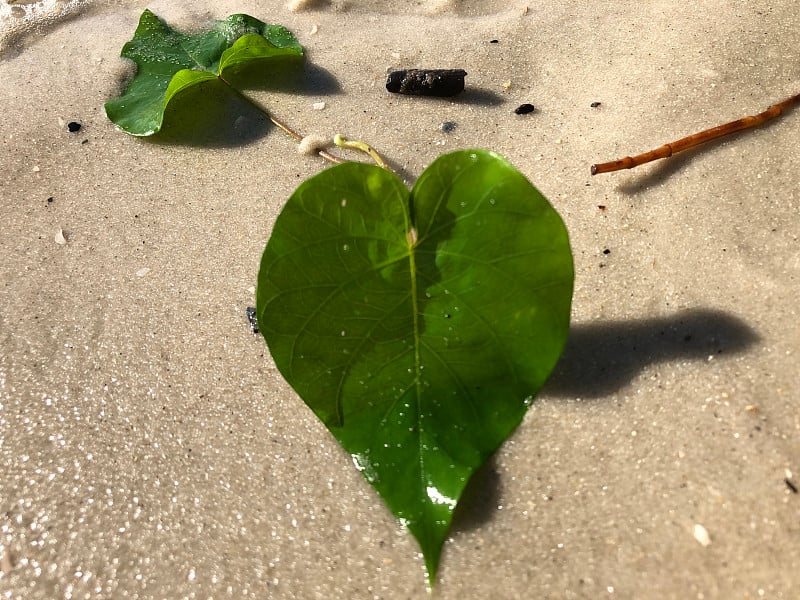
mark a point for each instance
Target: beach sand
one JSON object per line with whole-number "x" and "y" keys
{"x": 150, "y": 449}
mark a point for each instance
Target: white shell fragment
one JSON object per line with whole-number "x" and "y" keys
{"x": 318, "y": 105}
{"x": 143, "y": 271}
{"x": 60, "y": 237}
{"x": 301, "y": 5}
{"x": 701, "y": 535}
{"x": 311, "y": 144}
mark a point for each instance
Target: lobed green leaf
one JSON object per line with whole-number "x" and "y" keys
{"x": 170, "y": 62}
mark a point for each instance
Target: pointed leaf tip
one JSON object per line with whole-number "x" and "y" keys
{"x": 421, "y": 358}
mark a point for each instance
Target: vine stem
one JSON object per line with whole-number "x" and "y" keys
{"x": 343, "y": 142}
{"x": 696, "y": 139}
{"x": 338, "y": 139}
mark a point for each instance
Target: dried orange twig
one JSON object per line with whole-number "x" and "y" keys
{"x": 696, "y": 139}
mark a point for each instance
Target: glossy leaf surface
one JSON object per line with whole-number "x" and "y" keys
{"x": 170, "y": 62}
{"x": 418, "y": 325}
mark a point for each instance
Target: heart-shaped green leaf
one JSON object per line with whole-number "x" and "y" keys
{"x": 170, "y": 62}
{"x": 418, "y": 326}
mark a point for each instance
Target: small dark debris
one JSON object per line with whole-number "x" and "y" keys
{"x": 494, "y": 41}
{"x": 606, "y": 251}
{"x": 448, "y": 126}
{"x": 73, "y": 127}
{"x": 595, "y": 104}
{"x": 50, "y": 200}
{"x": 524, "y": 109}
{"x": 426, "y": 82}
{"x": 250, "y": 311}
{"x": 601, "y": 206}
{"x": 790, "y": 485}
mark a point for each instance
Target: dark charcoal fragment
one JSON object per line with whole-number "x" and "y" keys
{"x": 524, "y": 109}
{"x": 73, "y": 127}
{"x": 426, "y": 82}
{"x": 250, "y": 311}
{"x": 448, "y": 126}
{"x": 595, "y": 104}
{"x": 494, "y": 41}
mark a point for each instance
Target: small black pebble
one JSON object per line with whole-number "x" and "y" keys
{"x": 250, "y": 311}
{"x": 494, "y": 41}
{"x": 448, "y": 126}
{"x": 50, "y": 200}
{"x": 790, "y": 485}
{"x": 595, "y": 104}
{"x": 73, "y": 127}
{"x": 524, "y": 109}
{"x": 606, "y": 251}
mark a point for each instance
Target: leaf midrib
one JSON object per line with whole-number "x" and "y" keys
{"x": 412, "y": 264}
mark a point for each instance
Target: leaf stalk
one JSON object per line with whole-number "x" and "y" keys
{"x": 278, "y": 123}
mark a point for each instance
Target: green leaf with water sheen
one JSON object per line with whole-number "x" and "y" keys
{"x": 170, "y": 63}
{"x": 418, "y": 325}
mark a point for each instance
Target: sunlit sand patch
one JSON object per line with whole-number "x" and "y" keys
{"x": 466, "y": 7}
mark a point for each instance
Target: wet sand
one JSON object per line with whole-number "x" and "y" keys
{"x": 148, "y": 446}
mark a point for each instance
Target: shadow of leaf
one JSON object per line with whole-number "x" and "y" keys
{"x": 211, "y": 115}
{"x": 600, "y": 358}
{"x": 480, "y": 498}
{"x": 306, "y": 80}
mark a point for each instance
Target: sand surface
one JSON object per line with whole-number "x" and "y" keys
{"x": 150, "y": 449}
